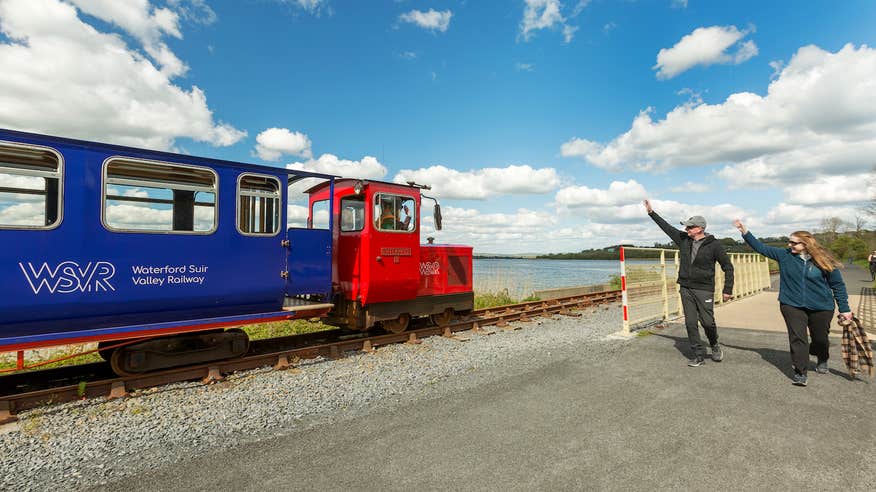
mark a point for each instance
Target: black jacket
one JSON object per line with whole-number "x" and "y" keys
{"x": 701, "y": 274}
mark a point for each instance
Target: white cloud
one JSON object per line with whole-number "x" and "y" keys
{"x": 366, "y": 168}
{"x": 146, "y": 23}
{"x": 482, "y": 183}
{"x": 618, "y": 193}
{"x": 313, "y": 7}
{"x": 546, "y": 14}
{"x": 274, "y": 143}
{"x": 195, "y": 11}
{"x": 296, "y": 216}
{"x": 852, "y": 190}
{"x": 499, "y": 232}
{"x": 524, "y": 67}
{"x": 63, "y": 77}
{"x": 785, "y": 218}
{"x": 23, "y": 213}
{"x": 145, "y": 216}
{"x": 704, "y": 46}
{"x": 719, "y": 218}
{"x": 818, "y": 118}
{"x": 691, "y": 187}
{"x": 432, "y": 20}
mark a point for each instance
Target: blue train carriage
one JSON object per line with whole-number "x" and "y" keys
{"x": 102, "y": 243}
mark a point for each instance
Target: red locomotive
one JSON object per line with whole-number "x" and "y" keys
{"x": 381, "y": 274}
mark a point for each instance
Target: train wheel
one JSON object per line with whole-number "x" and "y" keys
{"x": 178, "y": 350}
{"x": 397, "y": 325}
{"x": 443, "y": 318}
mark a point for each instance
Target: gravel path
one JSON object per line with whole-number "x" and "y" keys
{"x": 94, "y": 442}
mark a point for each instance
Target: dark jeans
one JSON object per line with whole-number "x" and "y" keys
{"x": 797, "y": 319}
{"x": 872, "y": 271}
{"x": 699, "y": 306}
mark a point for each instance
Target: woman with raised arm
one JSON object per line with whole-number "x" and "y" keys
{"x": 810, "y": 288}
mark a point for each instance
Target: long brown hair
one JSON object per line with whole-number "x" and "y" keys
{"x": 822, "y": 257}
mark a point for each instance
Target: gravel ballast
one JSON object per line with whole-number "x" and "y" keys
{"x": 96, "y": 441}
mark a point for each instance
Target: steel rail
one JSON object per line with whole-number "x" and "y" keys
{"x": 294, "y": 348}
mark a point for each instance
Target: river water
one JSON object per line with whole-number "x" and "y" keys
{"x": 522, "y": 277}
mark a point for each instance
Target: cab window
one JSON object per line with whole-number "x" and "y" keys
{"x": 352, "y": 214}
{"x": 319, "y": 215}
{"x": 394, "y": 213}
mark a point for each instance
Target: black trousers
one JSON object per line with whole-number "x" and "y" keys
{"x": 699, "y": 307}
{"x": 872, "y": 271}
{"x": 797, "y": 320}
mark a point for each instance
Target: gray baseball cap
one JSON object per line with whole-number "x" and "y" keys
{"x": 696, "y": 220}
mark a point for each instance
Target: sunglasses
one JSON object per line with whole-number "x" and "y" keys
{"x": 687, "y": 228}
{"x": 795, "y": 243}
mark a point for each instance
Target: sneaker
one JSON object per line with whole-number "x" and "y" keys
{"x": 821, "y": 368}
{"x": 717, "y": 353}
{"x": 799, "y": 380}
{"x": 696, "y": 362}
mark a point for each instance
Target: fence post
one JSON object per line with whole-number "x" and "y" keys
{"x": 623, "y": 269}
{"x": 677, "y": 290}
{"x": 665, "y": 292}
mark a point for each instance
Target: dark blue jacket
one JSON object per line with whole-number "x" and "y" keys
{"x": 802, "y": 283}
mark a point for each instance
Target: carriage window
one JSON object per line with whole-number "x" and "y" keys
{"x": 145, "y": 196}
{"x": 258, "y": 205}
{"x": 352, "y": 214}
{"x": 30, "y": 187}
{"x": 394, "y": 213}
{"x": 319, "y": 215}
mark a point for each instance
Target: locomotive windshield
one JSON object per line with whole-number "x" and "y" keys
{"x": 394, "y": 213}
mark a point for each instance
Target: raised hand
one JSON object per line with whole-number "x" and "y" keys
{"x": 739, "y": 225}
{"x": 648, "y": 206}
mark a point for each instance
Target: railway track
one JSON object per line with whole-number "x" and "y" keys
{"x": 19, "y": 392}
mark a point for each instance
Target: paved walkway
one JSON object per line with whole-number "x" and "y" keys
{"x": 637, "y": 418}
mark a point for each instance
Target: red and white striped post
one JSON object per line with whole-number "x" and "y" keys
{"x": 626, "y": 329}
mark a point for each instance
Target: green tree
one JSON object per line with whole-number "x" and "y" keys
{"x": 848, "y": 246}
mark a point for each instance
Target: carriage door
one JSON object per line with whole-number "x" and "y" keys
{"x": 309, "y": 254}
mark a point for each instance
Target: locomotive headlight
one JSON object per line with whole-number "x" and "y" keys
{"x": 358, "y": 187}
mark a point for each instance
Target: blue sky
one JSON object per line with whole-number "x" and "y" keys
{"x": 540, "y": 124}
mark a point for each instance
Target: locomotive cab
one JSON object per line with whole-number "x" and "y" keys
{"x": 381, "y": 273}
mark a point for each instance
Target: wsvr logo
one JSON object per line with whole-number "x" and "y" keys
{"x": 430, "y": 268}
{"x": 69, "y": 277}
